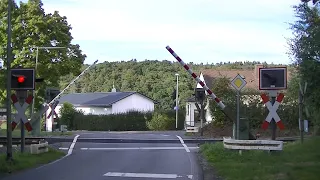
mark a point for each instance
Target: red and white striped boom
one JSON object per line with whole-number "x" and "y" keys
{"x": 220, "y": 104}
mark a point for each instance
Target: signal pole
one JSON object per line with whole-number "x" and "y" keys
{"x": 8, "y": 103}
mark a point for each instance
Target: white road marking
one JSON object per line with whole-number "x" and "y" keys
{"x": 1, "y": 145}
{"x": 143, "y": 175}
{"x": 73, "y": 144}
{"x": 141, "y": 148}
{"x": 165, "y": 135}
{"x": 183, "y": 144}
{"x": 69, "y": 152}
{"x": 61, "y": 148}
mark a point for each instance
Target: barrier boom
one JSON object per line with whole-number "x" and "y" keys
{"x": 216, "y": 99}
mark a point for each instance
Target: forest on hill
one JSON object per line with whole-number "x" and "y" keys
{"x": 155, "y": 79}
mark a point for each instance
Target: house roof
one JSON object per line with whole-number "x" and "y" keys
{"x": 96, "y": 98}
{"x": 251, "y": 76}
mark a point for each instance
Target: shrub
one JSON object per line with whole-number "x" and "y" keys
{"x": 68, "y": 113}
{"x": 161, "y": 121}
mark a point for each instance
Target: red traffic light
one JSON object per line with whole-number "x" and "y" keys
{"x": 21, "y": 79}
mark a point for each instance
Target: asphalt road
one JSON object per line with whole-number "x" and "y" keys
{"x": 117, "y": 161}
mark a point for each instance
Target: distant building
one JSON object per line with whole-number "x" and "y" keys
{"x": 102, "y": 103}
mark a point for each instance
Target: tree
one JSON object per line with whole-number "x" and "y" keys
{"x": 313, "y": 1}
{"x": 305, "y": 50}
{"x": 32, "y": 27}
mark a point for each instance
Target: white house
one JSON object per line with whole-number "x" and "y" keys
{"x": 102, "y": 103}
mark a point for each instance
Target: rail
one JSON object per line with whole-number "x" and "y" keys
{"x": 17, "y": 141}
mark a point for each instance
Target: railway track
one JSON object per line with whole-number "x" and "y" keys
{"x": 52, "y": 140}
{"x": 17, "y": 141}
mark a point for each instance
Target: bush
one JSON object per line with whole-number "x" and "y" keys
{"x": 166, "y": 120}
{"x": 161, "y": 121}
{"x": 68, "y": 113}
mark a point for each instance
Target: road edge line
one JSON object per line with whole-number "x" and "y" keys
{"x": 183, "y": 144}
{"x": 73, "y": 143}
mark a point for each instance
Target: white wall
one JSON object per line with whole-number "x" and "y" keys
{"x": 135, "y": 102}
{"x": 190, "y": 107}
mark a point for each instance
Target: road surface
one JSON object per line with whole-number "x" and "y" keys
{"x": 121, "y": 161}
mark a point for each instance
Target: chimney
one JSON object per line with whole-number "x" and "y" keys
{"x": 256, "y": 70}
{"x": 113, "y": 88}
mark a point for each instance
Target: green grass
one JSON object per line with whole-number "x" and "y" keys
{"x": 17, "y": 132}
{"x": 296, "y": 162}
{"x": 26, "y": 161}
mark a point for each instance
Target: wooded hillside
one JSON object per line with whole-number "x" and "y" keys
{"x": 155, "y": 79}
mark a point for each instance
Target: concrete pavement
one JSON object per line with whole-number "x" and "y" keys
{"x": 117, "y": 161}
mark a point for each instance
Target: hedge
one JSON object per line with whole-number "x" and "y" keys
{"x": 130, "y": 121}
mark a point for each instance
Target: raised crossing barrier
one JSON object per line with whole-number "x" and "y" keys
{"x": 269, "y": 145}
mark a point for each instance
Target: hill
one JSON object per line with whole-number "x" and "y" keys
{"x": 154, "y": 78}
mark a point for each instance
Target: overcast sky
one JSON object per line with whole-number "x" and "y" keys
{"x": 206, "y": 31}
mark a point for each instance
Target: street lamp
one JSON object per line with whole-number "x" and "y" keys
{"x": 177, "y": 93}
{"x": 34, "y": 92}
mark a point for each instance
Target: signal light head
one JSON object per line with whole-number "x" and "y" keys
{"x": 21, "y": 79}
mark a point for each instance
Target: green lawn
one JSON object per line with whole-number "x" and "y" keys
{"x": 296, "y": 162}
{"x": 25, "y": 161}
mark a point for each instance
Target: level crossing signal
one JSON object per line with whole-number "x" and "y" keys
{"x": 22, "y": 79}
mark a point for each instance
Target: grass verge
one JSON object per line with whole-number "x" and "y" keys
{"x": 296, "y": 162}
{"x": 26, "y": 161}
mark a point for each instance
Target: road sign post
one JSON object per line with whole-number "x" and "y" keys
{"x": 21, "y": 111}
{"x": 21, "y": 103}
{"x": 238, "y": 83}
{"x": 272, "y": 80}
{"x": 302, "y": 125}
{"x": 50, "y": 116}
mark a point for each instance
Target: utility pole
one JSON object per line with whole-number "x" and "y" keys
{"x": 8, "y": 103}
{"x": 177, "y": 101}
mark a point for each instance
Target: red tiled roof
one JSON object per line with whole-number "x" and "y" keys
{"x": 251, "y": 76}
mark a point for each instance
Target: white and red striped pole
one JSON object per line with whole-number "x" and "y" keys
{"x": 217, "y": 100}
